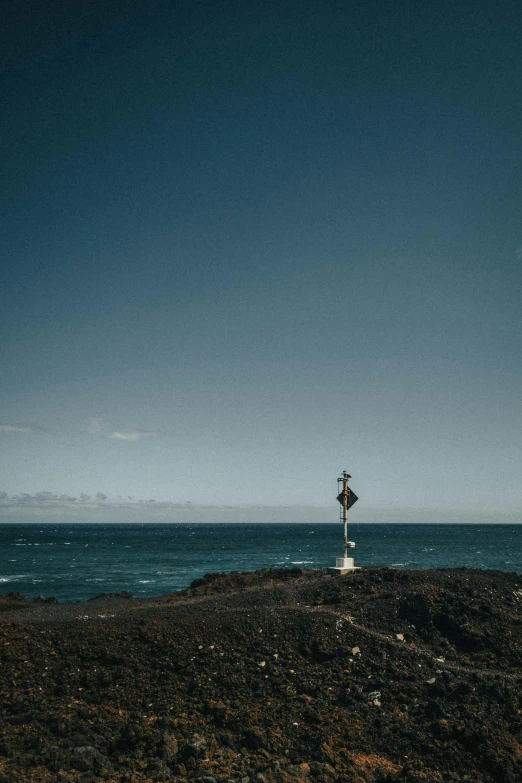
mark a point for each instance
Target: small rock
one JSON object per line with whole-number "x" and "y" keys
{"x": 356, "y": 651}
{"x": 87, "y": 758}
{"x": 327, "y": 753}
{"x": 170, "y": 746}
{"x": 199, "y": 743}
{"x": 262, "y": 664}
{"x": 400, "y": 637}
{"x": 194, "y": 750}
{"x": 431, "y": 681}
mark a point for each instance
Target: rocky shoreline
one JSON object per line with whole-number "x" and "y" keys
{"x": 289, "y": 676}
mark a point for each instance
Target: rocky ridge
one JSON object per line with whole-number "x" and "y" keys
{"x": 378, "y": 676}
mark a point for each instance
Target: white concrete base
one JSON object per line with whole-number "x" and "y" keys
{"x": 343, "y": 565}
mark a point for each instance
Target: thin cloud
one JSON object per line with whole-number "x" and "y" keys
{"x": 134, "y": 435}
{"x": 94, "y": 425}
{"x": 14, "y": 428}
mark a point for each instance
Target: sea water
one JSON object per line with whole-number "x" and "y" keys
{"x": 80, "y": 561}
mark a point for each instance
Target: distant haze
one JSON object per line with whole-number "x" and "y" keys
{"x": 247, "y": 246}
{"x": 67, "y": 509}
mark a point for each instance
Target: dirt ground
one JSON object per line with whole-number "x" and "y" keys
{"x": 291, "y": 676}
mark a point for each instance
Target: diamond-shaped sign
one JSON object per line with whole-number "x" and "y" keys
{"x": 352, "y": 498}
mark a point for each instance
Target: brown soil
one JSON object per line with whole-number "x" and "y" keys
{"x": 381, "y": 675}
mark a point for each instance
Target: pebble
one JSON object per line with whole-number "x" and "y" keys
{"x": 198, "y": 744}
{"x": 374, "y": 698}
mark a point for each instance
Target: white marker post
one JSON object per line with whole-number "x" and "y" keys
{"x": 346, "y": 498}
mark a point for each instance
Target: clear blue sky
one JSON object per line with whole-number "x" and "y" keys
{"x": 246, "y": 246}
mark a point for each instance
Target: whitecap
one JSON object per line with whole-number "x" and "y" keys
{"x": 302, "y": 562}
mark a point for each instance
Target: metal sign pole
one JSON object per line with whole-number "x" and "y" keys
{"x": 345, "y": 512}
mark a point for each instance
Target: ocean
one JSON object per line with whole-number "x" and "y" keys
{"x": 79, "y": 561}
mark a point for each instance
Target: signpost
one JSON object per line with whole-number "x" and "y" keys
{"x": 346, "y": 498}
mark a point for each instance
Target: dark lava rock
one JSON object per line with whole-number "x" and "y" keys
{"x": 101, "y": 596}
{"x": 267, "y": 677}
{"x": 87, "y": 758}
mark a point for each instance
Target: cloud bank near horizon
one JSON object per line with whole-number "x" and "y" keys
{"x": 52, "y": 508}
{"x": 94, "y": 427}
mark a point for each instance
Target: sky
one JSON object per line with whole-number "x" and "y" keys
{"x": 248, "y": 246}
